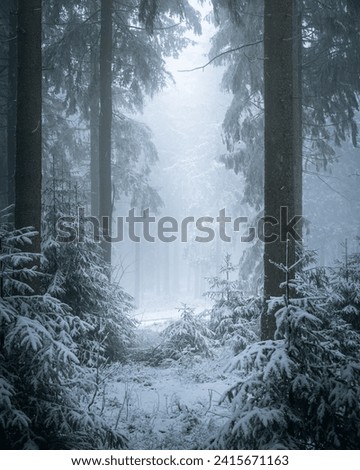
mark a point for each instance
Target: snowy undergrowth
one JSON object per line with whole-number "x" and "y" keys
{"x": 45, "y": 392}
{"x": 174, "y": 406}
{"x": 301, "y": 390}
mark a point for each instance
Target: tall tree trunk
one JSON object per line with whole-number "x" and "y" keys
{"x": 94, "y": 92}
{"x": 28, "y": 128}
{"x": 94, "y": 132}
{"x": 105, "y": 121}
{"x": 11, "y": 108}
{"x": 283, "y": 162}
{"x": 298, "y": 120}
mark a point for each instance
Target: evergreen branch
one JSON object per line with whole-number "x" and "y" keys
{"x": 228, "y": 51}
{"x": 159, "y": 28}
{"x": 77, "y": 25}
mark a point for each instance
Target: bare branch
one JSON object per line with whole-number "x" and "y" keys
{"x": 223, "y": 53}
{"x": 328, "y": 185}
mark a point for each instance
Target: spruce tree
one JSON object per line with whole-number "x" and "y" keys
{"x": 300, "y": 390}
{"x": 45, "y": 394}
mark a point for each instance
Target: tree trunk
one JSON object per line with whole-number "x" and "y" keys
{"x": 28, "y": 129}
{"x": 105, "y": 121}
{"x": 298, "y": 121}
{"x": 94, "y": 98}
{"x": 11, "y": 108}
{"x": 283, "y": 162}
{"x": 94, "y": 132}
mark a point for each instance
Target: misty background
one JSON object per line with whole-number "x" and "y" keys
{"x": 186, "y": 121}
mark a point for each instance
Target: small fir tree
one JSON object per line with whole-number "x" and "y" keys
{"x": 233, "y": 318}
{"x": 300, "y": 390}
{"x": 185, "y": 338}
{"x": 44, "y": 391}
{"x": 78, "y": 276}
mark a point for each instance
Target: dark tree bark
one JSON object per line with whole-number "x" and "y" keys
{"x": 298, "y": 113}
{"x": 28, "y": 129}
{"x": 105, "y": 120}
{"x": 11, "y": 108}
{"x": 3, "y": 114}
{"x": 94, "y": 132}
{"x": 283, "y": 162}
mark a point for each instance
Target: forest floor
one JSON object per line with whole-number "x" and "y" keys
{"x": 170, "y": 406}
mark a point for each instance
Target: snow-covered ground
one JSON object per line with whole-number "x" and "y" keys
{"x": 172, "y": 406}
{"x": 167, "y": 408}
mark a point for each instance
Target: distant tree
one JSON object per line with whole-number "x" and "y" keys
{"x": 105, "y": 123}
{"x": 138, "y": 70}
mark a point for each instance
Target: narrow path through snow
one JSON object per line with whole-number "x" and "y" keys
{"x": 175, "y": 407}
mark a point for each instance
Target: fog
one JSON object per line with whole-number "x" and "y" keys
{"x": 186, "y": 121}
